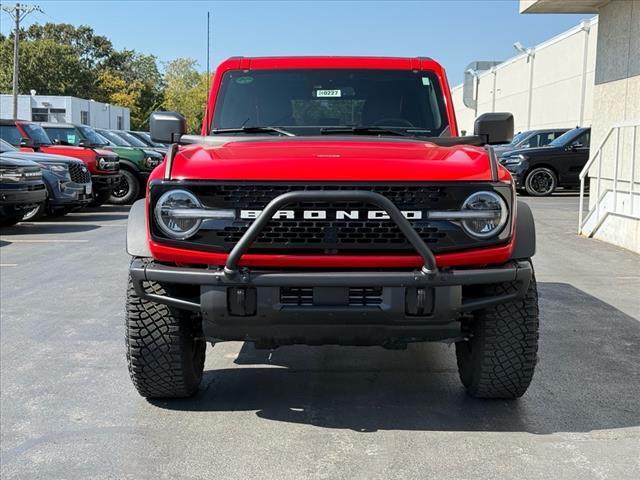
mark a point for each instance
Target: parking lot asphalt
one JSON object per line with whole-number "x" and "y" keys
{"x": 68, "y": 409}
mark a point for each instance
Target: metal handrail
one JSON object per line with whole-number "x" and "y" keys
{"x": 598, "y": 156}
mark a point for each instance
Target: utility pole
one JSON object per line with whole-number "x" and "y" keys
{"x": 18, "y": 13}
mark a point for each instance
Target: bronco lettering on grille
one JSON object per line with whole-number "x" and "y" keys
{"x": 330, "y": 215}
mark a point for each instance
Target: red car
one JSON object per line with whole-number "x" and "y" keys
{"x": 103, "y": 164}
{"x": 330, "y": 200}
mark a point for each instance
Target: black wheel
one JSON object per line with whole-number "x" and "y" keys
{"x": 34, "y": 213}
{"x": 541, "y": 182}
{"x": 127, "y": 190}
{"x": 9, "y": 220}
{"x": 164, "y": 353}
{"x": 100, "y": 197}
{"x": 499, "y": 358}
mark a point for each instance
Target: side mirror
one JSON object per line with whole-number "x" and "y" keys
{"x": 167, "y": 127}
{"x": 84, "y": 143}
{"x": 495, "y": 127}
{"x": 26, "y": 143}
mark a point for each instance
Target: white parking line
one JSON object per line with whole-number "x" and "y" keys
{"x": 8, "y": 264}
{"x": 40, "y": 240}
{"x": 24, "y": 224}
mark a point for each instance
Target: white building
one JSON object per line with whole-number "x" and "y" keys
{"x": 586, "y": 76}
{"x": 549, "y": 85}
{"x": 52, "y": 108}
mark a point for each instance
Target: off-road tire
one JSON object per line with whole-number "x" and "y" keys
{"x": 541, "y": 182}
{"x": 500, "y": 356}
{"x": 129, "y": 189}
{"x": 165, "y": 359}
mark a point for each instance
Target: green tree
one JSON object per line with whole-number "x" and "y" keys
{"x": 46, "y": 66}
{"x": 186, "y": 91}
{"x": 61, "y": 59}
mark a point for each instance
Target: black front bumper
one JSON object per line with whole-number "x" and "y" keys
{"x": 103, "y": 182}
{"x": 21, "y": 197}
{"x": 415, "y": 305}
{"x": 330, "y": 307}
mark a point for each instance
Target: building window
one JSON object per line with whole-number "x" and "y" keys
{"x": 40, "y": 114}
{"x": 84, "y": 117}
{"x": 57, "y": 115}
{"x": 120, "y": 122}
{"x": 48, "y": 115}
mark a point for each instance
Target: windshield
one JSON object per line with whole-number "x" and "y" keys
{"x": 36, "y": 133}
{"x": 147, "y": 138}
{"x": 6, "y": 147}
{"x": 113, "y": 138}
{"x": 66, "y": 135}
{"x": 305, "y": 101}
{"x": 91, "y": 135}
{"x": 565, "y": 138}
{"x": 518, "y": 138}
{"x": 131, "y": 139}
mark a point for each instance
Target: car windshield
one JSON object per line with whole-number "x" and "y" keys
{"x": 518, "y": 138}
{"x": 91, "y": 135}
{"x": 565, "y": 138}
{"x": 6, "y": 147}
{"x": 36, "y": 133}
{"x": 147, "y": 138}
{"x": 113, "y": 138}
{"x": 305, "y": 101}
{"x": 131, "y": 139}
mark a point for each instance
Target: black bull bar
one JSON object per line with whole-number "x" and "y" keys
{"x": 447, "y": 301}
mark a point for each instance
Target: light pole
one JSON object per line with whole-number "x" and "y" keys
{"x": 18, "y": 13}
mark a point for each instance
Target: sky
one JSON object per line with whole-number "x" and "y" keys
{"x": 453, "y": 32}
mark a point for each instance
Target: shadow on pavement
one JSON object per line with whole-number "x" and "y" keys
{"x": 587, "y": 379}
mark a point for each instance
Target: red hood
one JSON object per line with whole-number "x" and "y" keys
{"x": 332, "y": 159}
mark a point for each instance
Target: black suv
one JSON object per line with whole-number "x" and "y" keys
{"x": 21, "y": 188}
{"x": 540, "y": 171}
{"x": 67, "y": 179}
{"x": 530, "y": 139}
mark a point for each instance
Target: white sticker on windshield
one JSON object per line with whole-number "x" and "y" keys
{"x": 426, "y": 81}
{"x": 328, "y": 93}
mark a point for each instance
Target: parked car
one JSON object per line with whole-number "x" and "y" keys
{"x": 135, "y": 141}
{"x": 347, "y": 220}
{"x": 539, "y": 171}
{"x": 146, "y": 137}
{"x": 530, "y": 139}
{"x": 32, "y": 137}
{"x": 21, "y": 188}
{"x": 135, "y": 166}
{"x": 67, "y": 179}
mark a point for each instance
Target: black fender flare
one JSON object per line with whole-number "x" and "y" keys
{"x": 137, "y": 245}
{"x": 525, "y": 242}
{"x": 128, "y": 164}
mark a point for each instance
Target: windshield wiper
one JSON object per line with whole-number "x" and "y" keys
{"x": 279, "y": 130}
{"x": 363, "y": 131}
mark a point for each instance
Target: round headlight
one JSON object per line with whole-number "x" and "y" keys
{"x": 488, "y": 214}
{"x": 177, "y": 227}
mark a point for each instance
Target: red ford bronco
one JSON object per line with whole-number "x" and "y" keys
{"x": 331, "y": 201}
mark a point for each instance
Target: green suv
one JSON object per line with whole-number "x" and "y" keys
{"x": 136, "y": 163}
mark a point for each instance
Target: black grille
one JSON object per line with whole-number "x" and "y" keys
{"x": 331, "y": 235}
{"x": 358, "y": 296}
{"x": 79, "y": 173}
